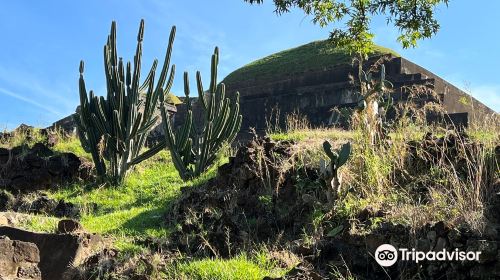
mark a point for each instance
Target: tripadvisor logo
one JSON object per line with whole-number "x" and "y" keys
{"x": 387, "y": 255}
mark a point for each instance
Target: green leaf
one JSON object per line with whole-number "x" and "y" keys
{"x": 335, "y": 231}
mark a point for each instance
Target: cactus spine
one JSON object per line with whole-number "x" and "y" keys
{"x": 194, "y": 151}
{"x": 114, "y": 129}
{"x": 330, "y": 172}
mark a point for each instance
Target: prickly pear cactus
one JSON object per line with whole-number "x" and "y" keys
{"x": 329, "y": 172}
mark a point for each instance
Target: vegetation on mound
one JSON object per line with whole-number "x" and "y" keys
{"x": 135, "y": 209}
{"x": 381, "y": 188}
{"x": 309, "y": 57}
{"x": 21, "y": 137}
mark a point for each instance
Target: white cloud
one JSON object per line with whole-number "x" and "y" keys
{"x": 29, "y": 83}
{"x": 30, "y": 101}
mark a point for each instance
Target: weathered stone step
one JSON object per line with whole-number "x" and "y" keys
{"x": 58, "y": 252}
{"x": 19, "y": 260}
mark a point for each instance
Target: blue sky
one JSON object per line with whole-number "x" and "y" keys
{"x": 43, "y": 42}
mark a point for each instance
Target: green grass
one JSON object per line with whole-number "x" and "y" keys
{"x": 239, "y": 267}
{"x": 71, "y": 145}
{"x": 311, "y": 56}
{"x": 302, "y": 135}
{"x": 136, "y": 208}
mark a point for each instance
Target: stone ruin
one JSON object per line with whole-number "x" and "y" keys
{"x": 37, "y": 168}
{"x": 314, "y": 93}
{"x": 316, "y": 90}
{"x": 31, "y": 255}
{"x": 18, "y": 259}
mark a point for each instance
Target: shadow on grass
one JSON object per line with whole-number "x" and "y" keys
{"x": 147, "y": 223}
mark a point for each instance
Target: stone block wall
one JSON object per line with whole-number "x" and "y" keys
{"x": 18, "y": 260}
{"x": 315, "y": 93}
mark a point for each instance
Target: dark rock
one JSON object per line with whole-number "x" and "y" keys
{"x": 490, "y": 232}
{"x": 18, "y": 259}
{"x": 38, "y": 168}
{"x": 41, "y": 150}
{"x": 66, "y": 209}
{"x": 423, "y": 245}
{"x": 58, "y": 252}
{"x": 42, "y": 205}
{"x": 368, "y": 213}
{"x": 457, "y": 240}
{"x": 441, "y": 229}
{"x": 26, "y": 251}
{"x": 488, "y": 249}
{"x": 24, "y": 129}
{"x": 69, "y": 226}
{"x": 31, "y": 272}
{"x": 480, "y": 272}
{"x": 51, "y": 137}
{"x": 7, "y": 200}
{"x": 4, "y": 156}
{"x": 432, "y": 237}
{"x": 441, "y": 244}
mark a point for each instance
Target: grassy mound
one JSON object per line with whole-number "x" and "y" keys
{"x": 401, "y": 182}
{"x": 313, "y": 56}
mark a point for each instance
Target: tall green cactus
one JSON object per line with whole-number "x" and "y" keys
{"x": 114, "y": 129}
{"x": 193, "y": 150}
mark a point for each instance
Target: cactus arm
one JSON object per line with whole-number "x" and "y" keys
{"x": 204, "y": 149}
{"x": 327, "y": 147}
{"x": 137, "y": 61}
{"x": 215, "y": 62}
{"x": 168, "y": 87}
{"x": 149, "y": 153}
{"x": 174, "y": 151}
{"x": 166, "y": 63}
{"x": 147, "y": 82}
{"x": 344, "y": 154}
{"x": 201, "y": 92}
{"x": 182, "y": 141}
{"x": 192, "y": 151}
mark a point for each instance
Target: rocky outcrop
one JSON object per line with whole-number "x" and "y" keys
{"x": 18, "y": 260}
{"x": 356, "y": 252}
{"x": 38, "y": 203}
{"x": 260, "y": 196}
{"x": 58, "y": 252}
{"x": 254, "y": 198}
{"x": 27, "y": 169}
{"x": 30, "y": 134}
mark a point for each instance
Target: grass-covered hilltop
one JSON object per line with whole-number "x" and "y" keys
{"x": 137, "y": 190}
{"x": 316, "y": 55}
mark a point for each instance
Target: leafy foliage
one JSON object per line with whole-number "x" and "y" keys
{"x": 414, "y": 19}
